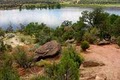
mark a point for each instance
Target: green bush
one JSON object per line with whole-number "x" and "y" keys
{"x": 85, "y": 45}
{"x": 22, "y": 39}
{"x": 118, "y": 41}
{"x": 90, "y": 36}
{"x": 40, "y": 78}
{"x": 5, "y": 47}
{"x": 6, "y": 70}
{"x": 43, "y": 39}
{"x": 22, "y": 58}
{"x": 2, "y": 46}
{"x": 77, "y": 58}
{"x": 68, "y": 68}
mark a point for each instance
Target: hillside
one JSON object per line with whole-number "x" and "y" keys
{"x": 61, "y": 1}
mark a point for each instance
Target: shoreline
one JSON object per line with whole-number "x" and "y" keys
{"x": 69, "y": 5}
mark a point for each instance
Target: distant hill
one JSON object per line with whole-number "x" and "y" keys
{"x": 99, "y": 1}
{"x": 27, "y": 1}
{"x": 51, "y": 1}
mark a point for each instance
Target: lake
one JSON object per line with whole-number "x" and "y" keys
{"x": 50, "y": 17}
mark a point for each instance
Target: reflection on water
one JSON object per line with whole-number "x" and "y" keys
{"x": 52, "y": 17}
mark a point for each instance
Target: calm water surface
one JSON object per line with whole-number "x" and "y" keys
{"x": 51, "y": 17}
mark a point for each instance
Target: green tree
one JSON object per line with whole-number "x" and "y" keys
{"x": 117, "y": 27}
{"x": 91, "y": 35}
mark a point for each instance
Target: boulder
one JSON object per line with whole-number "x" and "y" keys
{"x": 103, "y": 42}
{"x": 92, "y": 63}
{"x": 70, "y": 41}
{"x": 113, "y": 40}
{"x": 48, "y": 50}
{"x": 10, "y": 35}
{"x": 100, "y": 77}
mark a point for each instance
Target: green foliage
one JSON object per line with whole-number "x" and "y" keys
{"x": 113, "y": 18}
{"x": 2, "y": 32}
{"x": 118, "y": 41}
{"x": 6, "y": 70}
{"x": 117, "y": 27}
{"x": 73, "y": 55}
{"x": 85, "y": 45}
{"x": 91, "y": 35}
{"x": 43, "y": 38}
{"x": 2, "y": 46}
{"x": 68, "y": 35}
{"x": 40, "y": 78}
{"x": 41, "y": 32}
{"x": 79, "y": 30}
{"x": 22, "y": 58}
{"x": 43, "y": 6}
{"x": 68, "y": 68}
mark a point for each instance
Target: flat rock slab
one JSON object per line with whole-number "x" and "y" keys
{"x": 103, "y": 42}
{"x": 91, "y": 63}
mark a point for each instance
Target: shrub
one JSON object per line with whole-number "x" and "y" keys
{"x": 2, "y": 46}
{"x": 22, "y": 39}
{"x": 91, "y": 36}
{"x": 40, "y": 78}
{"x": 85, "y": 45}
{"x": 43, "y": 39}
{"x": 67, "y": 69}
{"x": 118, "y": 41}
{"x": 73, "y": 55}
{"x": 22, "y": 58}
{"x": 6, "y": 70}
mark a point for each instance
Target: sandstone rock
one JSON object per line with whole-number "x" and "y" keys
{"x": 70, "y": 41}
{"x": 48, "y": 50}
{"x": 103, "y": 42}
{"x": 92, "y": 63}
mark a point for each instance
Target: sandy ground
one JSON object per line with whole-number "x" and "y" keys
{"x": 109, "y": 55}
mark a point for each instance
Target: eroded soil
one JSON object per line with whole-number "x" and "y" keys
{"x": 109, "y": 55}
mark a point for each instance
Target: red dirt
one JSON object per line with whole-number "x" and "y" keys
{"x": 109, "y": 55}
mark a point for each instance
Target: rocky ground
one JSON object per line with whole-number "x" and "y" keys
{"x": 101, "y": 62}
{"x": 108, "y": 56}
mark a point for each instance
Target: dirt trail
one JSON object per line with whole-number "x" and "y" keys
{"x": 109, "y": 55}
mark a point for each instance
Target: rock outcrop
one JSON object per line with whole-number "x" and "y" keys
{"x": 48, "y": 50}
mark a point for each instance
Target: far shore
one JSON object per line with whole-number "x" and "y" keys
{"x": 93, "y": 5}
{"x": 66, "y": 5}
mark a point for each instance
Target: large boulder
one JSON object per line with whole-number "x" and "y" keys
{"x": 48, "y": 50}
